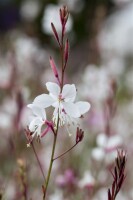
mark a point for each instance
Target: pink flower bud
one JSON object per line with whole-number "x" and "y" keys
{"x": 63, "y": 18}
{"x": 66, "y": 53}
{"x": 79, "y": 135}
{"x": 55, "y": 33}
{"x": 53, "y": 66}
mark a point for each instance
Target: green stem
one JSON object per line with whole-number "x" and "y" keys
{"x": 50, "y": 166}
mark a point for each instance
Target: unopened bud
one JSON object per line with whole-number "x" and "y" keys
{"x": 66, "y": 53}
{"x": 55, "y": 33}
{"x": 64, "y": 15}
{"x": 53, "y": 66}
{"x": 79, "y": 135}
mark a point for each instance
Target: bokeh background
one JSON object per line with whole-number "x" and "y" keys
{"x": 100, "y": 64}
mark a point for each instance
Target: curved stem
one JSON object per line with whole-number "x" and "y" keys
{"x": 65, "y": 152}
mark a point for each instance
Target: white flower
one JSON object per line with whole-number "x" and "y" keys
{"x": 97, "y": 83}
{"x": 87, "y": 180}
{"x": 37, "y": 120}
{"x": 63, "y": 102}
{"x": 29, "y": 9}
{"x": 107, "y": 146}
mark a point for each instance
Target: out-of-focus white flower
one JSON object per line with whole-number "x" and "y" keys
{"x": 96, "y": 84}
{"x": 10, "y": 190}
{"x": 108, "y": 143}
{"x": 37, "y": 120}
{"x": 25, "y": 51}
{"x": 115, "y": 67}
{"x": 87, "y": 180}
{"x": 56, "y": 196}
{"x": 29, "y": 9}
{"x": 74, "y": 6}
{"x": 66, "y": 179}
{"x": 63, "y": 102}
{"x": 25, "y": 46}
{"x": 107, "y": 146}
{"x": 51, "y": 14}
{"x": 5, "y": 73}
{"x": 6, "y": 121}
{"x": 28, "y": 55}
{"x": 98, "y": 154}
{"x": 116, "y": 36}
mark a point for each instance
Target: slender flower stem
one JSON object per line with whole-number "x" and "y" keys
{"x": 51, "y": 160}
{"x": 61, "y": 46}
{"x": 56, "y": 132}
{"x": 40, "y": 166}
{"x": 65, "y": 152}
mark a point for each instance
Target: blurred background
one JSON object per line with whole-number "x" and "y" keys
{"x": 100, "y": 64}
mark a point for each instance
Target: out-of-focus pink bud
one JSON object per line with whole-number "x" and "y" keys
{"x": 79, "y": 135}
{"x": 53, "y": 66}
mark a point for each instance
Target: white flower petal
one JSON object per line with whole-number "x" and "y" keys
{"x": 71, "y": 109}
{"x": 53, "y": 88}
{"x": 83, "y": 106}
{"x": 69, "y": 93}
{"x": 35, "y": 123}
{"x": 43, "y": 100}
{"x": 102, "y": 140}
{"x": 38, "y": 111}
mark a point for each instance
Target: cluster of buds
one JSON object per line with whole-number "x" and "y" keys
{"x": 64, "y": 47}
{"x": 64, "y": 15}
{"x": 63, "y": 18}
{"x": 118, "y": 175}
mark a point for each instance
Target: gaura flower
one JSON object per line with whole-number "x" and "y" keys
{"x": 63, "y": 102}
{"x": 37, "y": 120}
